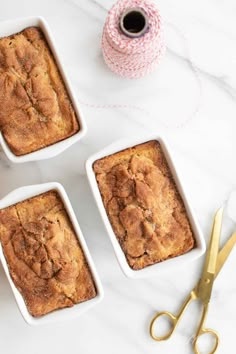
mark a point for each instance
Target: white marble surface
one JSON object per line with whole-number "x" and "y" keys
{"x": 191, "y": 99}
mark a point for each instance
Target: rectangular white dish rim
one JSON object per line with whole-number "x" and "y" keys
{"x": 14, "y": 26}
{"x": 24, "y": 193}
{"x": 155, "y": 269}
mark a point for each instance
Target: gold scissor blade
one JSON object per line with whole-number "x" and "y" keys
{"x": 213, "y": 249}
{"x": 205, "y": 284}
{"x": 224, "y": 253}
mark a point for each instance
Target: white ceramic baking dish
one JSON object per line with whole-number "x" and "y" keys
{"x": 170, "y": 264}
{"x": 24, "y": 193}
{"x": 13, "y": 26}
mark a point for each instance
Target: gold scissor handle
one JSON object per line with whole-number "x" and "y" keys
{"x": 206, "y": 331}
{"x": 173, "y": 320}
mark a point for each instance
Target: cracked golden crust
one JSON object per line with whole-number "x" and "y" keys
{"x": 143, "y": 205}
{"x": 36, "y": 110}
{"x": 43, "y": 254}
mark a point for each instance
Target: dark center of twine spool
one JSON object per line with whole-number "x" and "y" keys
{"x": 134, "y": 22}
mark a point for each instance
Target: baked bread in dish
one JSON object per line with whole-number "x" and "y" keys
{"x": 36, "y": 110}
{"x": 43, "y": 254}
{"x": 143, "y": 205}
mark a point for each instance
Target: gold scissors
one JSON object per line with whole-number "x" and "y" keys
{"x": 214, "y": 261}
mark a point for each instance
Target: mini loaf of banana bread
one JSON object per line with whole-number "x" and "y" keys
{"x": 36, "y": 110}
{"x": 43, "y": 254}
{"x": 143, "y": 205}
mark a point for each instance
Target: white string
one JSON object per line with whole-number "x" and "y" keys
{"x": 144, "y": 111}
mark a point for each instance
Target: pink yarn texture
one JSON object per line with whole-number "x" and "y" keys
{"x": 133, "y": 57}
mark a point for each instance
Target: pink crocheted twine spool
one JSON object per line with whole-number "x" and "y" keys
{"x": 133, "y": 56}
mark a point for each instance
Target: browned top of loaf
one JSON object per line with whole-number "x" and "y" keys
{"x": 35, "y": 108}
{"x": 43, "y": 254}
{"x": 144, "y": 207}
